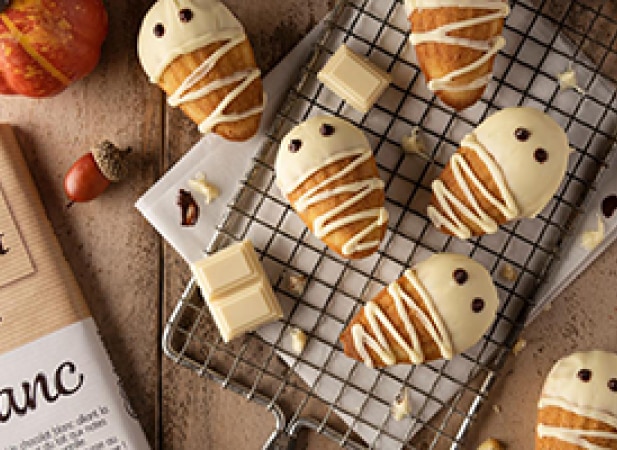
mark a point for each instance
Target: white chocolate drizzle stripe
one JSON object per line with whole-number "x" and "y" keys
{"x": 245, "y": 78}
{"x": 441, "y": 35}
{"x": 575, "y": 436}
{"x": 362, "y": 189}
{"x": 583, "y": 411}
{"x": 445, "y": 198}
{"x": 433, "y": 324}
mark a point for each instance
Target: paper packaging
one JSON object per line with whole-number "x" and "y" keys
{"x": 57, "y": 386}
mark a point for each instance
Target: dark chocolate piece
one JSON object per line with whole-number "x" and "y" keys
{"x": 159, "y": 30}
{"x": 584, "y": 375}
{"x": 326, "y": 130}
{"x": 189, "y": 207}
{"x": 609, "y": 205}
{"x": 186, "y": 15}
{"x": 294, "y": 145}
{"x": 460, "y": 276}
{"x": 612, "y": 384}
{"x": 477, "y": 305}
{"x": 541, "y": 155}
{"x": 4, "y": 4}
{"x": 522, "y": 134}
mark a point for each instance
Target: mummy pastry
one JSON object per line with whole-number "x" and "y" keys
{"x": 508, "y": 168}
{"x": 437, "y": 309}
{"x": 326, "y": 169}
{"x": 198, "y": 53}
{"x": 456, "y": 42}
{"x": 578, "y": 406}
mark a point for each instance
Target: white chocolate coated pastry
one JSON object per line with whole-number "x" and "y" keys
{"x": 526, "y": 153}
{"x": 461, "y": 301}
{"x": 584, "y": 384}
{"x": 316, "y": 151}
{"x": 211, "y": 22}
{"x": 173, "y": 28}
{"x": 496, "y": 9}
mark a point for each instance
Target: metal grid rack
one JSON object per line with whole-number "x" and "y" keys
{"x": 254, "y": 367}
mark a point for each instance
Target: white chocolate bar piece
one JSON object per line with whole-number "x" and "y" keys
{"x": 237, "y": 290}
{"x": 354, "y": 78}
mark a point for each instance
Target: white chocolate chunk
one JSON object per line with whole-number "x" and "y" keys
{"x": 209, "y": 191}
{"x": 508, "y": 273}
{"x": 590, "y": 239}
{"x": 236, "y": 290}
{"x": 298, "y": 340}
{"x": 297, "y": 284}
{"x": 354, "y": 78}
{"x": 491, "y": 444}
{"x": 413, "y": 143}
{"x": 569, "y": 80}
{"x": 520, "y": 345}
{"x": 401, "y": 407}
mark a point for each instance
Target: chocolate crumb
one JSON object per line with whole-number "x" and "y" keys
{"x": 609, "y": 205}
{"x": 189, "y": 207}
{"x": 612, "y": 384}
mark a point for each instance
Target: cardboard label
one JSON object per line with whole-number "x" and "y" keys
{"x": 15, "y": 261}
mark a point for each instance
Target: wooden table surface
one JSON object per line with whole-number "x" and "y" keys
{"x": 132, "y": 279}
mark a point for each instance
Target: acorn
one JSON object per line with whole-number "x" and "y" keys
{"x": 92, "y": 174}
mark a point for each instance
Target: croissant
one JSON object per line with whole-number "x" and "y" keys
{"x": 456, "y": 42}
{"x": 439, "y": 308}
{"x": 578, "y": 405}
{"x": 198, "y": 53}
{"x": 508, "y": 168}
{"x": 326, "y": 169}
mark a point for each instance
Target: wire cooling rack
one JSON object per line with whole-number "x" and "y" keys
{"x": 322, "y": 390}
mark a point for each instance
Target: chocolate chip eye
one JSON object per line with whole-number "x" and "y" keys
{"x": 294, "y": 145}
{"x": 540, "y": 155}
{"x": 326, "y": 130}
{"x": 612, "y": 384}
{"x": 522, "y": 134}
{"x": 477, "y": 305}
{"x": 584, "y": 375}
{"x": 159, "y": 30}
{"x": 186, "y": 15}
{"x": 460, "y": 276}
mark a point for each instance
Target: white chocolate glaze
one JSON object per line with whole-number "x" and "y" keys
{"x": 525, "y": 185}
{"x": 316, "y": 153}
{"x": 498, "y": 9}
{"x": 211, "y": 23}
{"x": 591, "y": 399}
{"x": 450, "y": 322}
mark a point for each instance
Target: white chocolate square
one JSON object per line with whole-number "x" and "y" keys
{"x": 237, "y": 290}
{"x": 226, "y": 269}
{"x": 354, "y": 78}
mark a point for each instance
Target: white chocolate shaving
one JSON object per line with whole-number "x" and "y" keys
{"x": 590, "y": 239}
{"x": 209, "y": 191}
{"x": 298, "y": 340}
{"x": 568, "y": 80}
{"x": 413, "y": 143}
{"x": 401, "y": 407}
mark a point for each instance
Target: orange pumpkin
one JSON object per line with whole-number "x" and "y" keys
{"x": 45, "y": 45}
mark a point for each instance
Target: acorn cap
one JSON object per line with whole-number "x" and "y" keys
{"x": 111, "y": 161}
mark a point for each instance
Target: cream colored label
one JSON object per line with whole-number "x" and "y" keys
{"x": 15, "y": 261}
